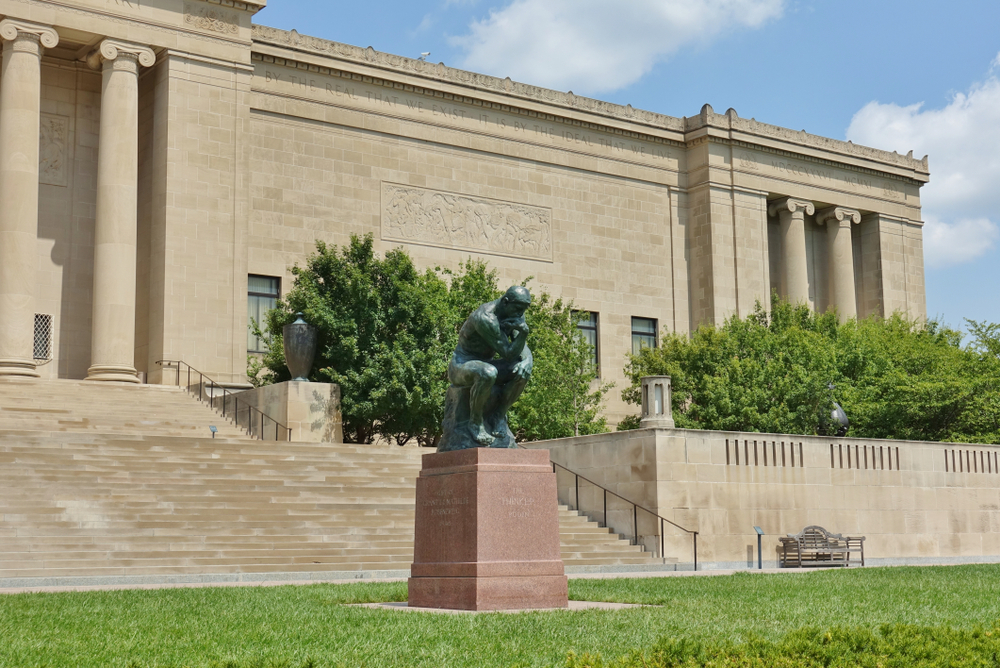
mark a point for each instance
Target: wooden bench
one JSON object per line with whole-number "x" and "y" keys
{"x": 815, "y": 546}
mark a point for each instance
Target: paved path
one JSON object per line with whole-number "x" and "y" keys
{"x": 279, "y": 583}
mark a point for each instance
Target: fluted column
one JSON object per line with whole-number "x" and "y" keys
{"x": 20, "y": 103}
{"x": 113, "y": 346}
{"x": 840, "y": 254}
{"x": 792, "y": 215}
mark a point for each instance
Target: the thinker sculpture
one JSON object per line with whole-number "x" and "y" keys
{"x": 489, "y": 369}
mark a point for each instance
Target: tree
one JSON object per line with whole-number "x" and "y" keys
{"x": 380, "y": 335}
{"x": 765, "y": 373}
{"x": 564, "y": 396}
{"x": 896, "y": 378}
{"x": 387, "y": 332}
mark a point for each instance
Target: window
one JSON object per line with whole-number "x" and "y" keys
{"x": 587, "y": 324}
{"x": 262, "y": 295}
{"x": 643, "y": 334}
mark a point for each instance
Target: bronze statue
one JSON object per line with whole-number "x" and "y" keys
{"x": 489, "y": 369}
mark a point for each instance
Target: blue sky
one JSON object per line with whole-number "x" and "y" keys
{"x": 895, "y": 74}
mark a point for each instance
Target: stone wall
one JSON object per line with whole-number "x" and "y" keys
{"x": 916, "y": 502}
{"x": 254, "y": 143}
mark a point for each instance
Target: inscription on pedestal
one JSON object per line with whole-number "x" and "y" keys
{"x": 445, "y": 506}
{"x": 518, "y": 504}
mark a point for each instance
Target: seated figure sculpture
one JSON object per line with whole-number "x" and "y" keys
{"x": 489, "y": 369}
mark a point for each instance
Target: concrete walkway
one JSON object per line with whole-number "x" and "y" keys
{"x": 270, "y": 580}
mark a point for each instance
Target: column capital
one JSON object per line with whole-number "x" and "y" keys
{"x": 838, "y": 215}
{"x": 791, "y": 205}
{"x": 11, "y": 29}
{"x": 110, "y": 49}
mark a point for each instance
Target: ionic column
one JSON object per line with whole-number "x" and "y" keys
{"x": 20, "y": 103}
{"x": 113, "y": 348}
{"x": 840, "y": 254}
{"x": 792, "y": 215}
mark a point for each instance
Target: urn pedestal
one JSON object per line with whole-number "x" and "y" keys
{"x": 487, "y": 532}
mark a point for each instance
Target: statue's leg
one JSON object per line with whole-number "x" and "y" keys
{"x": 479, "y": 377}
{"x": 512, "y": 389}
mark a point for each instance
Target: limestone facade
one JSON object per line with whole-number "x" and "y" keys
{"x": 204, "y": 149}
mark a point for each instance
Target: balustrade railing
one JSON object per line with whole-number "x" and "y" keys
{"x": 251, "y": 419}
{"x": 636, "y": 508}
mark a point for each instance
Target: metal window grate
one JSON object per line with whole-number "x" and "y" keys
{"x": 43, "y": 336}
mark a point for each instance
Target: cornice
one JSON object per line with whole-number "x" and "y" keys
{"x": 252, "y": 6}
{"x": 707, "y": 118}
{"x": 436, "y": 92}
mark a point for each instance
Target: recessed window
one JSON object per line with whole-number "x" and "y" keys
{"x": 262, "y": 295}
{"x": 586, "y": 322}
{"x": 643, "y": 334}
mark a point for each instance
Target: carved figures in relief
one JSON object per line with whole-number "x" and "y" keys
{"x": 459, "y": 221}
{"x": 53, "y": 131}
{"x": 211, "y": 19}
{"x": 489, "y": 369}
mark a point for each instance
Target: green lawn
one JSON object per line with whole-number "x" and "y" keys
{"x": 288, "y": 626}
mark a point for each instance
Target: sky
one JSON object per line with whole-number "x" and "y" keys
{"x": 920, "y": 75}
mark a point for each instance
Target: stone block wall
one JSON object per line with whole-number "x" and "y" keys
{"x": 915, "y": 502}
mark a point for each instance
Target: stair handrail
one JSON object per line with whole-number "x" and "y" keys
{"x": 254, "y": 427}
{"x": 635, "y": 512}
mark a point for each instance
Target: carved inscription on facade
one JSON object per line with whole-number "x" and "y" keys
{"x": 893, "y": 190}
{"x": 212, "y": 19}
{"x": 448, "y": 220}
{"x": 52, "y": 150}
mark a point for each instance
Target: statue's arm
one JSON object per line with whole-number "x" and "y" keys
{"x": 489, "y": 328}
{"x": 527, "y": 362}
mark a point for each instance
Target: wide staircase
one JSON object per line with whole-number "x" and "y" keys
{"x": 125, "y": 483}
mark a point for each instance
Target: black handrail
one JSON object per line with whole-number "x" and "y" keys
{"x": 635, "y": 513}
{"x": 256, "y": 422}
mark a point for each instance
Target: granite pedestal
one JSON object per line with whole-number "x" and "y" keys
{"x": 487, "y": 532}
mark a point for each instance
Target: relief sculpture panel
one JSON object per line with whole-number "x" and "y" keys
{"x": 450, "y": 220}
{"x": 210, "y": 18}
{"x": 52, "y": 149}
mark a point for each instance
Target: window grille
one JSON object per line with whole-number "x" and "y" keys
{"x": 43, "y": 337}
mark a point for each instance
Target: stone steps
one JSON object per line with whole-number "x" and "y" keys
{"x": 107, "y": 495}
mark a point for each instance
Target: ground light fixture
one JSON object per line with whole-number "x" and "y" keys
{"x": 760, "y": 560}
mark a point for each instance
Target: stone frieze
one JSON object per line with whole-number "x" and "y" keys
{"x": 463, "y": 222}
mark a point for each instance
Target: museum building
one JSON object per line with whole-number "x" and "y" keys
{"x": 164, "y": 164}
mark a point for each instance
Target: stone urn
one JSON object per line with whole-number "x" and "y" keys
{"x": 300, "y": 339}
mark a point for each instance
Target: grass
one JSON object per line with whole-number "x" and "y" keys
{"x": 293, "y": 626}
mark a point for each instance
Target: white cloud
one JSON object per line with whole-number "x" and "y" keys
{"x": 961, "y": 204}
{"x": 948, "y": 244}
{"x": 593, "y": 46}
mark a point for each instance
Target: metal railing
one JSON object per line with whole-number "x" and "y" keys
{"x": 251, "y": 419}
{"x": 635, "y": 513}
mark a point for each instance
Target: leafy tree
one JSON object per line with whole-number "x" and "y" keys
{"x": 766, "y": 373}
{"x": 564, "y": 396}
{"x": 387, "y": 332}
{"x": 379, "y": 335}
{"x": 896, "y": 378}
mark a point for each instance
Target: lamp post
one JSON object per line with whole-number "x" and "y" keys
{"x": 760, "y": 558}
